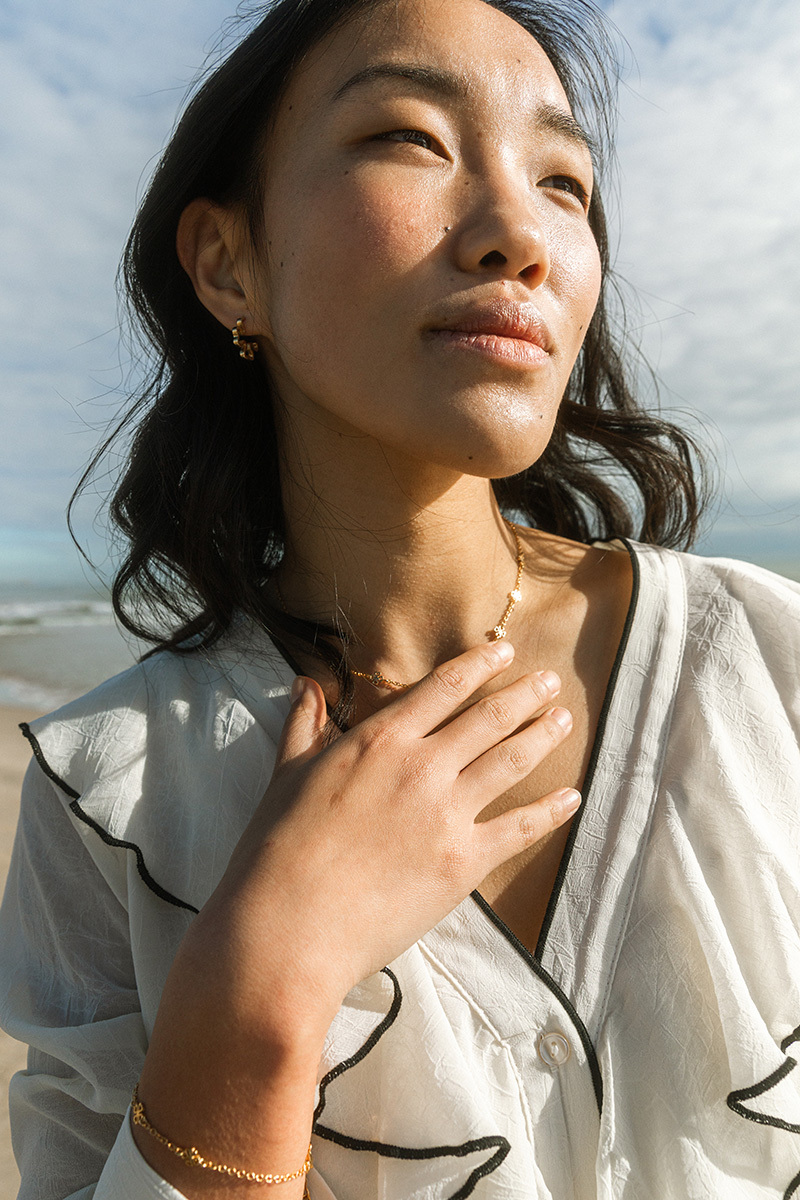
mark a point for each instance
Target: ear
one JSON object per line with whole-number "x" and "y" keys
{"x": 211, "y": 247}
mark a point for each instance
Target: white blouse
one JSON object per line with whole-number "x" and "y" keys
{"x": 646, "y": 1051}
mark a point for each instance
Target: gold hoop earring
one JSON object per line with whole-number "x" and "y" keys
{"x": 246, "y": 349}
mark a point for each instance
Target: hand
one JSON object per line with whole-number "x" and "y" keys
{"x": 359, "y": 848}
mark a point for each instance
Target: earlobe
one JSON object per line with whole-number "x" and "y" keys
{"x": 209, "y": 245}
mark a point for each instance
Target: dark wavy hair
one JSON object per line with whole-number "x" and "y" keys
{"x": 199, "y": 500}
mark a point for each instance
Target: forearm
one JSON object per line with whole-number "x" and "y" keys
{"x": 232, "y": 1066}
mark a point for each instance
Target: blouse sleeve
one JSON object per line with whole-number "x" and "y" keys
{"x": 67, "y": 989}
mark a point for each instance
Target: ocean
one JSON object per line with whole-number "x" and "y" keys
{"x": 57, "y": 642}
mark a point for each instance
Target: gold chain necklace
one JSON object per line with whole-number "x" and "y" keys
{"x": 379, "y": 680}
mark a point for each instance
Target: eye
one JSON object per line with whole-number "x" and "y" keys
{"x": 414, "y": 136}
{"x": 566, "y": 183}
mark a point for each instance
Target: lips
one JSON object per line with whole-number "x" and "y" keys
{"x": 498, "y": 328}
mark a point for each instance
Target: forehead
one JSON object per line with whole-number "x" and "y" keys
{"x": 491, "y": 54}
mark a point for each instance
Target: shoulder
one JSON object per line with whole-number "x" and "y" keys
{"x": 736, "y": 606}
{"x": 730, "y": 581}
{"x": 719, "y": 585}
{"x": 179, "y": 748}
{"x": 740, "y": 646}
{"x": 165, "y": 701}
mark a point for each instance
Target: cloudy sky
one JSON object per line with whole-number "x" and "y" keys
{"x": 709, "y": 184}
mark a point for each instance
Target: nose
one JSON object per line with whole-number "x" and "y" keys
{"x": 503, "y": 235}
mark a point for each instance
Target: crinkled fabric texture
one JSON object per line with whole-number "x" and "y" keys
{"x": 668, "y": 968}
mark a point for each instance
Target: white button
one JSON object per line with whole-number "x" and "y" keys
{"x": 554, "y": 1049}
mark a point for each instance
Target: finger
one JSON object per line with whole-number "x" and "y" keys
{"x": 301, "y": 736}
{"x": 496, "y": 717}
{"x": 516, "y": 830}
{"x": 511, "y": 760}
{"x": 436, "y": 697}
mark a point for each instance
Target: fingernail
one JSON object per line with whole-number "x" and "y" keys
{"x": 562, "y": 717}
{"x": 570, "y": 800}
{"x": 550, "y": 681}
{"x": 504, "y": 651}
{"x": 298, "y": 687}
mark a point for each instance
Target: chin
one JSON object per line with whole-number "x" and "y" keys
{"x": 492, "y": 450}
{"x": 491, "y": 461}
{"x": 498, "y": 467}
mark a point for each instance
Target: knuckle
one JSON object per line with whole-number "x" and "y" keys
{"x": 490, "y": 657}
{"x": 450, "y": 680}
{"x": 553, "y": 728}
{"x": 556, "y": 812}
{"x": 538, "y": 690}
{"x": 552, "y": 732}
{"x": 517, "y": 759}
{"x": 419, "y": 770}
{"x": 528, "y": 827}
{"x": 496, "y": 712}
{"x": 375, "y": 736}
{"x": 453, "y": 859}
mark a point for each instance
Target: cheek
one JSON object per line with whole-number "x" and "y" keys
{"x": 341, "y": 270}
{"x": 386, "y": 231}
{"x": 348, "y": 246}
{"x": 575, "y": 275}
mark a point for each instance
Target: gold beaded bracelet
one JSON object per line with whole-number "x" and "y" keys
{"x": 193, "y": 1156}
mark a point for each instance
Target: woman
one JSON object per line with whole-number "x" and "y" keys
{"x": 374, "y": 262}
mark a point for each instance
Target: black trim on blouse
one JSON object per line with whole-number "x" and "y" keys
{"x": 499, "y": 1144}
{"x": 758, "y": 1089}
{"x": 534, "y": 961}
{"x": 103, "y": 834}
{"x": 597, "y": 746}
{"x": 792, "y": 1188}
{"x": 550, "y": 983}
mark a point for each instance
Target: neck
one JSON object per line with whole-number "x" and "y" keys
{"x": 414, "y": 564}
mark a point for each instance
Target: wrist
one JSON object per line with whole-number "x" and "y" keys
{"x": 255, "y": 1118}
{"x": 268, "y": 989}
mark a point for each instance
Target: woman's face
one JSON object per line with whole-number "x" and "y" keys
{"x": 430, "y": 272}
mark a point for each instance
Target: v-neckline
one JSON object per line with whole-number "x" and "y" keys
{"x": 586, "y": 914}
{"x": 588, "y": 780}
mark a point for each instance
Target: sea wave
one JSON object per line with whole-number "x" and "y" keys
{"x": 24, "y": 693}
{"x": 34, "y": 615}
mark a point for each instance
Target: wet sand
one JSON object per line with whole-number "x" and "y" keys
{"x": 14, "y": 756}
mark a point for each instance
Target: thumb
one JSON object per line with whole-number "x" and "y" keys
{"x": 301, "y": 736}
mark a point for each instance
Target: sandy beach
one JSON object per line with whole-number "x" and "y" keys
{"x": 14, "y": 756}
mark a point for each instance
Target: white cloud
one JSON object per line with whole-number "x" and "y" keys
{"x": 710, "y": 178}
{"x": 88, "y": 94}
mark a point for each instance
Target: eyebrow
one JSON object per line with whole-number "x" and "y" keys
{"x": 449, "y": 86}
